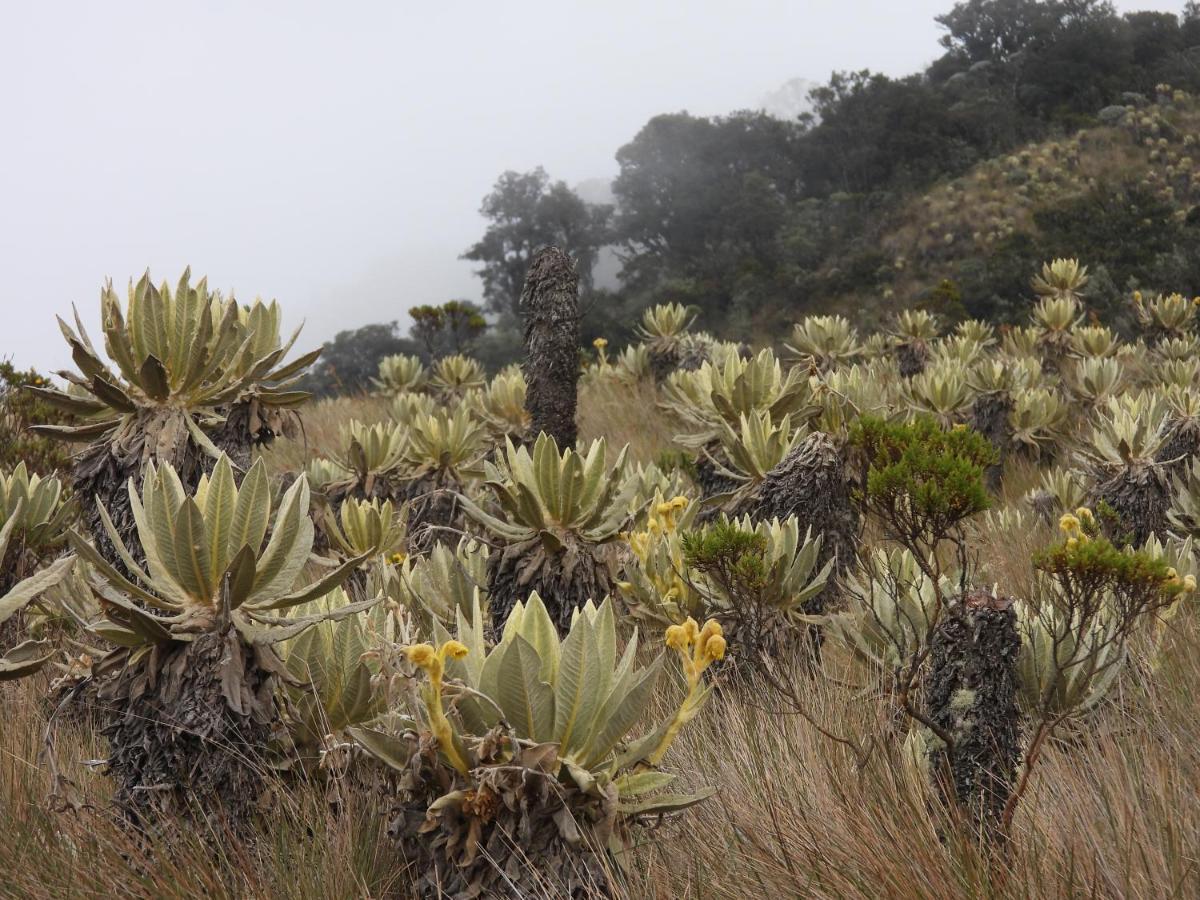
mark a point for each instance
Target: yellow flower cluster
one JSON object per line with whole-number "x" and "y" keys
{"x": 1187, "y": 584}
{"x": 397, "y": 558}
{"x": 661, "y": 525}
{"x": 433, "y": 662}
{"x": 1076, "y": 527}
{"x": 698, "y": 647}
{"x": 666, "y": 514}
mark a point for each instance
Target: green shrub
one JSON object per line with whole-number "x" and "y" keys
{"x": 20, "y": 409}
{"x": 922, "y": 480}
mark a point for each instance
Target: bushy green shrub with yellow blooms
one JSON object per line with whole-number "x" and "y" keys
{"x": 532, "y": 737}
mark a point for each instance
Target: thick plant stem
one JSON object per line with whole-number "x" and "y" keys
{"x": 971, "y": 693}
{"x": 550, "y": 304}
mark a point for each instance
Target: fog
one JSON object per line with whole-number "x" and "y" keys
{"x": 333, "y": 156}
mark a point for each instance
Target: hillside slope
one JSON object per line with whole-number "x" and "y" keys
{"x": 1120, "y": 196}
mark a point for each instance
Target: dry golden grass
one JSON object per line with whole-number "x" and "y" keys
{"x": 322, "y": 422}
{"x": 1112, "y": 812}
{"x": 626, "y": 414}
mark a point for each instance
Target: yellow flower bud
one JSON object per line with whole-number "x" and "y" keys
{"x": 677, "y": 637}
{"x": 600, "y": 343}
{"x": 1068, "y": 523}
{"x": 714, "y": 648}
{"x": 1189, "y": 583}
{"x": 398, "y": 558}
{"x": 454, "y": 649}
{"x": 421, "y": 655}
{"x": 1072, "y": 543}
{"x": 1084, "y": 514}
{"x": 691, "y": 629}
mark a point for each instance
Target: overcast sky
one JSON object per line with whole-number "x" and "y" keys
{"x": 334, "y": 155}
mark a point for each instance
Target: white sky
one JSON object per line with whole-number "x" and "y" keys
{"x": 334, "y": 155}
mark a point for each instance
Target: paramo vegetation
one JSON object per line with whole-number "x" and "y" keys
{"x": 433, "y": 650}
{"x": 844, "y": 546}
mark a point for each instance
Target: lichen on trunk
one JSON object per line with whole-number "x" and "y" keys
{"x": 971, "y": 692}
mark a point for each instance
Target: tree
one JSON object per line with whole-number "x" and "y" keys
{"x": 997, "y": 30}
{"x": 450, "y": 328}
{"x": 702, "y": 201}
{"x": 527, "y": 212}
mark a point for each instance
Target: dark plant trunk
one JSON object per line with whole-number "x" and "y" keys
{"x": 811, "y": 484}
{"x": 971, "y": 691}
{"x": 1055, "y": 347}
{"x": 522, "y": 834}
{"x": 1132, "y": 504}
{"x": 102, "y": 472}
{"x": 187, "y": 726}
{"x": 1181, "y": 447}
{"x": 247, "y": 425}
{"x": 912, "y": 357}
{"x": 433, "y": 507}
{"x": 550, "y": 303}
{"x": 692, "y": 355}
{"x": 710, "y": 481}
{"x": 233, "y": 437}
{"x": 989, "y": 416}
{"x": 565, "y": 579}
{"x": 663, "y": 362}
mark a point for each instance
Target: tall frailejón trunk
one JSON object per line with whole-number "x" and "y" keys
{"x": 550, "y": 304}
{"x": 972, "y": 696}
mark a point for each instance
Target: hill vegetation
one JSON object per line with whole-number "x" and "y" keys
{"x": 1025, "y": 140}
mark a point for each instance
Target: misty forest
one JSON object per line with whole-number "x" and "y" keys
{"x": 811, "y": 511}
